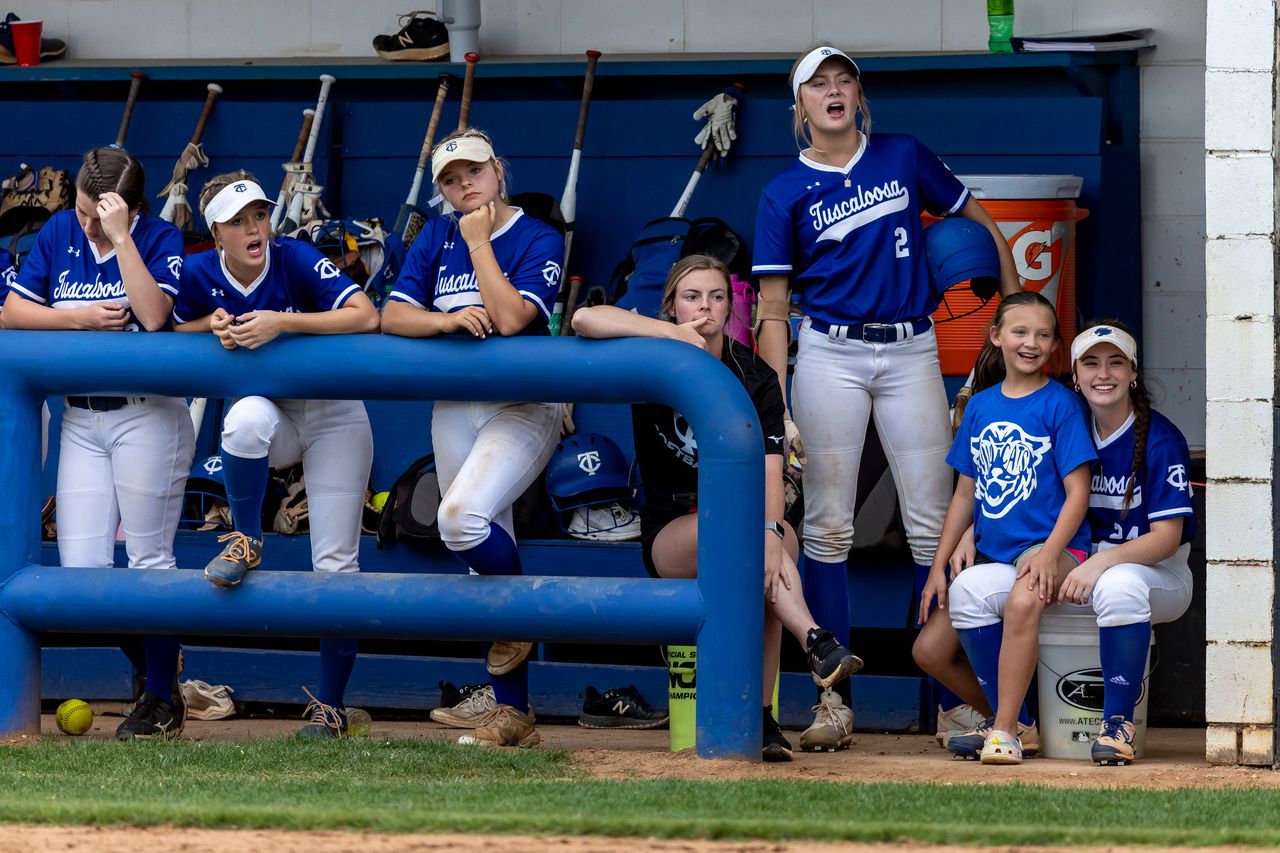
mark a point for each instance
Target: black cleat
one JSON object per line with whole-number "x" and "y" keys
{"x": 620, "y": 708}
{"x": 152, "y": 717}
{"x": 776, "y": 746}
{"x": 829, "y": 661}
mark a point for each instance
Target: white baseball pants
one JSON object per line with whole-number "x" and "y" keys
{"x": 125, "y": 467}
{"x": 487, "y": 454}
{"x": 334, "y": 442}
{"x": 838, "y": 385}
{"x": 1126, "y": 594}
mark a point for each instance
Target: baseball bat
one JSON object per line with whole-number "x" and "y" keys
{"x": 308, "y": 118}
{"x": 177, "y": 198}
{"x": 128, "y": 107}
{"x": 411, "y": 219}
{"x": 708, "y": 151}
{"x": 295, "y": 203}
{"x": 569, "y": 198}
{"x": 464, "y": 114}
{"x": 571, "y": 302}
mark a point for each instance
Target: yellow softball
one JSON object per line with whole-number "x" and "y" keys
{"x": 74, "y": 717}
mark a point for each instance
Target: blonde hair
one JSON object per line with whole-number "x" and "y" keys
{"x": 503, "y": 173}
{"x": 799, "y": 123}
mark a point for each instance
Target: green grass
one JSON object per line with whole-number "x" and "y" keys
{"x": 432, "y": 786}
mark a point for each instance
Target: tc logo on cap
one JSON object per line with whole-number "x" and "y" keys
{"x": 242, "y": 188}
{"x": 452, "y": 146}
{"x": 826, "y": 51}
{"x": 589, "y": 462}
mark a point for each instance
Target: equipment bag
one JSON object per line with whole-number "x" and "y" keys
{"x": 639, "y": 278}
{"x": 412, "y": 504}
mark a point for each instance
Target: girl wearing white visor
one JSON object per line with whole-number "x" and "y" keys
{"x": 486, "y": 269}
{"x": 247, "y": 291}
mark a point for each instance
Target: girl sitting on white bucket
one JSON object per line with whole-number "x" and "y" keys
{"x": 1142, "y": 524}
{"x": 1023, "y": 454}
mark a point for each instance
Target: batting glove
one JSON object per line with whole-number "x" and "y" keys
{"x": 794, "y": 446}
{"x": 719, "y": 128}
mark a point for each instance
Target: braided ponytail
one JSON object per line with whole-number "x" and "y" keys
{"x": 113, "y": 170}
{"x": 1141, "y": 400}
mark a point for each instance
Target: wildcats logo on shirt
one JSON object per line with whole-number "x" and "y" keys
{"x": 836, "y": 221}
{"x": 1006, "y": 459}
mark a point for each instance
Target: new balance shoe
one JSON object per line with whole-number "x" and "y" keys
{"x": 50, "y": 49}
{"x": 240, "y": 554}
{"x": 503, "y": 726}
{"x": 620, "y": 708}
{"x": 469, "y": 711}
{"x": 421, "y": 37}
{"x": 506, "y": 655}
{"x": 776, "y": 746}
{"x": 968, "y": 745}
{"x": 832, "y": 727}
{"x": 1001, "y": 748}
{"x": 323, "y": 721}
{"x": 207, "y": 701}
{"x": 956, "y": 721}
{"x": 1115, "y": 742}
{"x": 152, "y": 717}
{"x": 829, "y": 661}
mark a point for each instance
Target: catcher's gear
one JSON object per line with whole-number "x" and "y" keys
{"x": 719, "y": 128}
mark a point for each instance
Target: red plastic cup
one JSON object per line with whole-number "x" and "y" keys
{"x": 26, "y": 41}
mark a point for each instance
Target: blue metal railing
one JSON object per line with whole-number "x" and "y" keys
{"x": 722, "y": 610}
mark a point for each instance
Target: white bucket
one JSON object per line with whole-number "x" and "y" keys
{"x": 1070, "y": 676}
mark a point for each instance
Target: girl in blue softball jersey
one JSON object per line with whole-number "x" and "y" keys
{"x": 841, "y": 227}
{"x": 1023, "y": 456}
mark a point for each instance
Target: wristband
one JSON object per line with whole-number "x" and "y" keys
{"x": 473, "y": 251}
{"x": 776, "y": 528}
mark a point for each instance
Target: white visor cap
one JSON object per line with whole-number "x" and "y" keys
{"x": 470, "y": 148}
{"x": 809, "y": 66}
{"x": 232, "y": 199}
{"x": 1090, "y": 338}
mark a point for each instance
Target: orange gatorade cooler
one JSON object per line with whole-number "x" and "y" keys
{"x": 1037, "y": 215}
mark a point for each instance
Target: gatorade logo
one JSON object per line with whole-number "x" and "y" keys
{"x": 1038, "y": 252}
{"x": 1083, "y": 689}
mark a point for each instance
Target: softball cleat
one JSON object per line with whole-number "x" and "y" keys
{"x": 1115, "y": 742}
{"x": 241, "y": 554}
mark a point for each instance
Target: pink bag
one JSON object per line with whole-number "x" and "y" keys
{"x": 743, "y": 314}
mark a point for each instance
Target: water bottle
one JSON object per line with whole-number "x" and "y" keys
{"x": 1000, "y": 22}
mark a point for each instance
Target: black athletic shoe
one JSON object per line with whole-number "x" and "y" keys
{"x": 152, "y": 717}
{"x": 421, "y": 36}
{"x": 451, "y": 695}
{"x": 829, "y": 661}
{"x": 620, "y": 708}
{"x": 776, "y": 746}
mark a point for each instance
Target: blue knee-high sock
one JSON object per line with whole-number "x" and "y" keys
{"x": 162, "y": 665}
{"x": 1123, "y": 650}
{"x": 337, "y": 657}
{"x": 498, "y": 555}
{"x": 246, "y": 482}
{"x": 982, "y": 647}
{"x": 826, "y": 591}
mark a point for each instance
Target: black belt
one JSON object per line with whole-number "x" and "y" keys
{"x": 102, "y": 404}
{"x": 872, "y": 333}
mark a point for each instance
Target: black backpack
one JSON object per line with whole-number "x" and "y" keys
{"x": 639, "y": 278}
{"x": 412, "y": 504}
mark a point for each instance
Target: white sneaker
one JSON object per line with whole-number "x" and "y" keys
{"x": 832, "y": 727}
{"x": 207, "y": 701}
{"x": 961, "y": 718}
{"x": 468, "y": 713}
{"x": 604, "y": 523}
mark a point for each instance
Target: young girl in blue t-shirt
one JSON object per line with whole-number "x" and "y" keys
{"x": 1022, "y": 453}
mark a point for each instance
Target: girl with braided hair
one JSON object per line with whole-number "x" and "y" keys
{"x": 1142, "y": 523}
{"x": 109, "y": 266}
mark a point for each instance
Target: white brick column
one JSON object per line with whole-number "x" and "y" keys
{"x": 1241, "y": 362}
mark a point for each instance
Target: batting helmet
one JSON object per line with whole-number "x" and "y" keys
{"x": 588, "y": 469}
{"x": 205, "y": 505}
{"x": 958, "y": 249}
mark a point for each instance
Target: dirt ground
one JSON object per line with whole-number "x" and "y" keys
{"x": 1175, "y": 758}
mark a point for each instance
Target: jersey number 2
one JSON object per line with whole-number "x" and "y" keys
{"x": 900, "y": 249}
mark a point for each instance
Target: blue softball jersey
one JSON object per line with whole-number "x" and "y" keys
{"x": 65, "y": 270}
{"x": 296, "y": 278}
{"x": 850, "y": 238}
{"x": 438, "y": 274}
{"x": 1017, "y": 450}
{"x": 1163, "y": 492}
{"x": 8, "y": 275}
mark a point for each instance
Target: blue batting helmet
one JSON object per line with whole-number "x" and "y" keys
{"x": 588, "y": 469}
{"x": 205, "y": 506}
{"x": 958, "y": 249}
